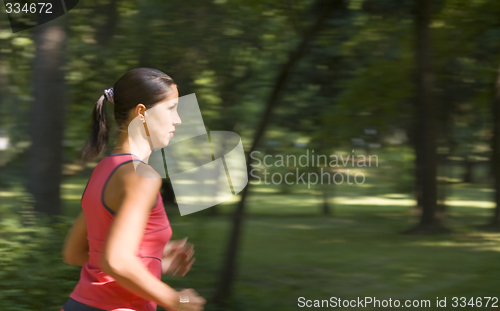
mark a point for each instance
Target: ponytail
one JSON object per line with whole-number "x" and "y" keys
{"x": 98, "y": 137}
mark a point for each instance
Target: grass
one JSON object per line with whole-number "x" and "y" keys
{"x": 283, "y": 258}
{"x": 288, "y": 250}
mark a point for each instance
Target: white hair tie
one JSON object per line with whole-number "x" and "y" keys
{"x": 110, "y": 97}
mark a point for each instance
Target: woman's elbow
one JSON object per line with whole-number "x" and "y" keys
{"x": 114, "y": 265}
{"x": 66, "y": 259}
{"x": 70, "y": 260}
{"x": 106, "y": 267}
{"x": 75, "y": 258}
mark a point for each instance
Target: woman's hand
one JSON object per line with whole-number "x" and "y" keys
{"x": 189, "y": 300}
{"x": 177, "y": 257}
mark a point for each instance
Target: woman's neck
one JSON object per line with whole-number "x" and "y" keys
{"x": 123, "y": 146}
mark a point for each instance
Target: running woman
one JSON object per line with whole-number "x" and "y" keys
{"x": 122, "y": 237}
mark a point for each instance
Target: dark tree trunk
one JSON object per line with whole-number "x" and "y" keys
{"x": 47, "y": 116}
{"x": 418, "y": 176}
{"x": 496, "y": 150}
{"x": 442, "y": 193}
{"x": 168, "y": 195}
{"x": 444, "y": 164}
{"x": 325, "y": 181}
{"x": 469, "y": 168}
{"x": 3, "y": 83}
{"x": 325, "y": 9}
{"x": 417, "y": 190}
{"x": 325, "y": 206}
{"x": 107, "y": 30}
{"x": 3, "y": 101}
{"x": 426, "y": 131}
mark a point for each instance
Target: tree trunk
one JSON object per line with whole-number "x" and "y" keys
{"x": 105, "y": 33}
{"x": 168, "y": 195}
{"x": 226, "y": 278}
{"x": 417, "y": 190}
{"x": 325, "y": 185}
{"x": 446, "y": 139}
{"x": 3, "y": 101}
{"x": 325, "y": 206}
{"x": 442, "y": 193}
{"x": 3, "y": 83}
{"x": 469, "y": 169}
{"x": 47, "y": 116}
{"x": 426, "y": 123}
{"x": 496, "y": 150}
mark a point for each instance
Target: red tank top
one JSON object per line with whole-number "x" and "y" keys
{"x": 96, "y": 288}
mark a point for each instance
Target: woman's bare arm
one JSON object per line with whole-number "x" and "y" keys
{"x": 119, "y": 258}
{"x": 76, "y": 246}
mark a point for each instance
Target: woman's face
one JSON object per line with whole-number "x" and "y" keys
{"x": 161, "y": 120}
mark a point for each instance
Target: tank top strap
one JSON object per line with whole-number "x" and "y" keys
{"x": 112, "y": 163}
{"x": 118, "y": 157}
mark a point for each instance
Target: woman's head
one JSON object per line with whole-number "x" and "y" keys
{"x": 136, "y": 91}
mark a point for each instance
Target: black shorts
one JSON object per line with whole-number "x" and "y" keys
{"x": 73, "y": 305}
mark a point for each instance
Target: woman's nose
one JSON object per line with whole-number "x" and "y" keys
{"x": 177, "y": 121}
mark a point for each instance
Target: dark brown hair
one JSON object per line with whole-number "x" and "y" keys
{"x": 145, "y": 86}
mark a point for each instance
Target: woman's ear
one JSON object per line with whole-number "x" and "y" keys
{"x": 139, "y": 111}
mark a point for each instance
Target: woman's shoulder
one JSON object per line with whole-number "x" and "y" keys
{"x": 135, "y": 173}
{"x": 127, "y": 166}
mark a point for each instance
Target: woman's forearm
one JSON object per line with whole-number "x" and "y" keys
{"x": 76, "y": 259}
{"x": 132, "y": 275}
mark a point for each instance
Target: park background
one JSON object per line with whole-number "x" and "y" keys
{"x": 415, "y": 82}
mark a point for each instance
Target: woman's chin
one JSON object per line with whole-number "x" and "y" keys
{"x": 161, "y": 143}
{"x": 165, "y": 143}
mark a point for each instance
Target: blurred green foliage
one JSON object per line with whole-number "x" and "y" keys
{"x": 397, "y": 168}
{"x": 358, "y": 73}
{"x": 32, "y": 274}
